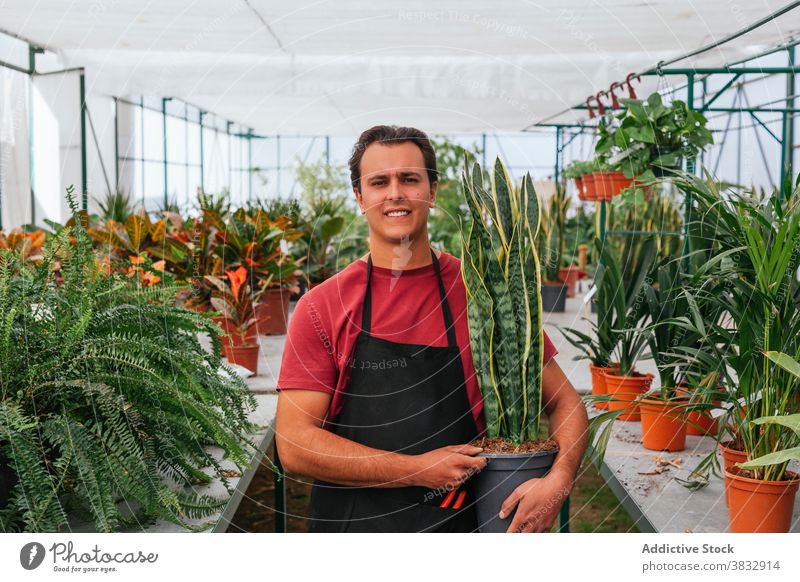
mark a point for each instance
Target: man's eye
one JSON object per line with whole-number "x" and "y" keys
{"x": 411, "y": 179}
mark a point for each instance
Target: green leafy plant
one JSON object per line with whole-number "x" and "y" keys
{"x": 108, "y": 399}
{"x": 500, "y": 268}
{"x": 751, "y": 243}
{"x": 552, "y": 233}
{"x": 450, "y": 211}
{"x": 578, "y": 168}
{"x": 786, "y": 445}
{"x": 116, "y": 206}
{"x": 651, "y": 138}
{"x": 331, "y": 232}
{"x": 626, "y": 303}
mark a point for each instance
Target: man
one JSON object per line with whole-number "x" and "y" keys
{"x": 378, "y": 395}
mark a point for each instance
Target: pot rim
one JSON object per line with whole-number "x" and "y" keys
{"x": 648, "y": 375}
{"x": 788, "y": 482}
{"x": 530, "y": 454}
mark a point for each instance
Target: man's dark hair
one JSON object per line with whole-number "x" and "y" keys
{"x": 392, "y": 134}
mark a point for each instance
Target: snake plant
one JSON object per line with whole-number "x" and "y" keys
{"x": 500, "y": 269}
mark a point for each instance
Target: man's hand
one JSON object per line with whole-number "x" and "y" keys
{"x": 538, "y": 502}
{"x": 448, "y": 466}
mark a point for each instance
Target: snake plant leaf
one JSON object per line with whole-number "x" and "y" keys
{"x": 500, "y": 270}
{"x": 501, "y": 185}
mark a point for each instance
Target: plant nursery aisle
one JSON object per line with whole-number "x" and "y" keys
{"x": 647, "y": 482}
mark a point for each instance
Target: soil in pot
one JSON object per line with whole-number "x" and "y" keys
{"x": 244, "y": 355}
{"x": 509, "y": 466}
{"x": 625, "y": 391}
{"x": 663, "y": 424}
{"x": 758, "y": 506}
{"x": 569, "y": 276}
{"x": 272, "y": 314}
{"x": 554, "y": 297}
{"x": 731, "y": 455}
{"x": 599, "y": 382}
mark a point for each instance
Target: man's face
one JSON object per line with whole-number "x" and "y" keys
{"x": 395, "y": 193}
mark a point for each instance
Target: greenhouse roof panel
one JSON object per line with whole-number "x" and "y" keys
{"x": 336, "y": 67}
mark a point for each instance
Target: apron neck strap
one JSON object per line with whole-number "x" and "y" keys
{"x": 366, "y": 315}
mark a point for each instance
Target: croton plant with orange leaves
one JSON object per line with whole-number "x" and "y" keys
{"x": 235, "y": 299}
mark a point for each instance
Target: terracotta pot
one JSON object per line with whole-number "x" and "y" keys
{"x": 231, "y": 333}
{"x": 663, "y": 424}
{"x": 699, "y": 423}
{"x": 729, "y": 459}
{"x": 626, "y": 390}
{"x": 580, "y": 188}
{"x": 603, "y": 186}
{"x": 589, "y": 188}
{"x": 244, "y": 355}
{"x": 758, "y": 506}
{"x": 272, "y": 313}
{"x": 569, "y": 275}
{"x": 618, "y": 182}
{"x": 599, "y": 382}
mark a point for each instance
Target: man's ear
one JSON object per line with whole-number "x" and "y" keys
{"x": 434, "y": 185}
{"x": 358, "y": 198}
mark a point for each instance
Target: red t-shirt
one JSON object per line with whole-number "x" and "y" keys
{"x": 405, "y": 308}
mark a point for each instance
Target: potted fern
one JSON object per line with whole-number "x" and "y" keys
{"x": 109, "y": 397}
{"x": 501, "y": 273}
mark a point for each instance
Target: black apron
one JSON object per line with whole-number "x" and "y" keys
{"x": 409, "y": 399}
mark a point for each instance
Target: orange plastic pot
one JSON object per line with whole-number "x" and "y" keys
{"x": 602, "y": 185}
{"x": 729, "y": 459}
{"x": 599, "y": 382}
{"x": 699, "y": 423}
{"x": 579, "y": 186}
{"x": 758, "y": 506}
{"x": 569, "y": 275}
{"x": 626, "y": 391}
{"x": 589, "y": 187}
{"x": 272, "y": 314}
{"x": 618, "y": 182}
{"x": 663, "y": 425}
{"x": 244, "y": 355}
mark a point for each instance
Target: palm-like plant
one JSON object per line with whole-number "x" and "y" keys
{"x": 500, "y": 268}
{"x": 625, "y": 302}
{"x": 751, "y": 243}
{"x": 107, "y": 395}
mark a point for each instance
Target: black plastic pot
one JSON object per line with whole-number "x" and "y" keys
{"x": 554, "y": 297}
{"x": 503, "y": 474}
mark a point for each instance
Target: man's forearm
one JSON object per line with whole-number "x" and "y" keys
{"x": 569, "y": 426}
{"x": 329, "y": 457}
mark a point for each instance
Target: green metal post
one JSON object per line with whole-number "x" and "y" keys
{"x": 563, "y": 517}
{"x": 280, "y": 494}
{"x": 787, "y": 141}
{"x": 141, "y": 137}
{"x": 202, "y": 163}
{"x": 31, "y": 174}
{"x": 278, "y": 160}
{"x": 230, "y": 158}
{"x": 250, "y": 161}
{"x": 85, "y": 190}
{"x": 558, "y": 152}
{"x": 690, "y": 168}
{"x": 116, "y": 144}
{"x": 164, "y": 140}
